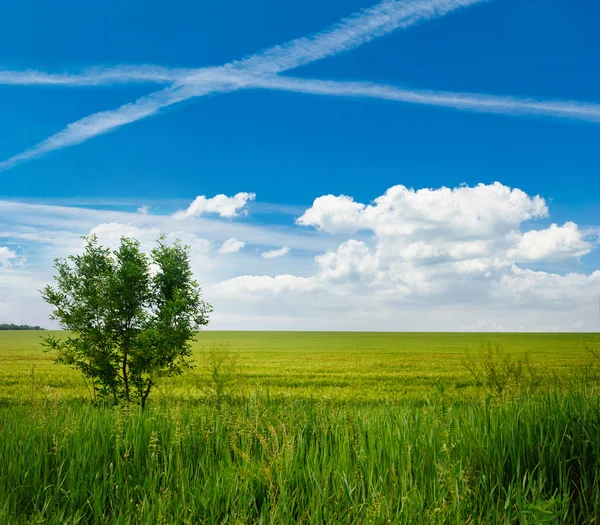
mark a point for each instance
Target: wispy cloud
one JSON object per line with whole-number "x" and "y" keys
{"x": 27, "y": 219}
{"x": 347, "y": 34}
{"x": 463, "y": 101}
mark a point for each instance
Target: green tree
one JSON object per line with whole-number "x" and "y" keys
{"x": 131, "y": 316}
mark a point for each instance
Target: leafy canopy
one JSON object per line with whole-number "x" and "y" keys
{"x": 131, "y": 316}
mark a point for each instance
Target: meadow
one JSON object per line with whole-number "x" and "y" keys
{"x": 340, "y": 366}
{"x": 315, "y": 428}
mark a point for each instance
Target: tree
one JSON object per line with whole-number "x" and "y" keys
{"x": 19, "y": 327}
{"x": 131, "y": 316}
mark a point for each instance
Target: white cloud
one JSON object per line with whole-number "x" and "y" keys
{"x": 433, "y": 259}
{"x": 48, "y": 224}
{"x": 221, "y": 205}
{"x": 525, "y": 287}
{"x": 458, "y": 247}
{"x": 109, "y": 234}
{"x": 275, "y": 254}
{"x": 6, "y": 256}
{"x": 556, "y": 242}
{"x": 464, "y": 212}
{"x": 231, "y": 246}
{"x": 333, "y": 214}
{"x": 48, "y": 231}
{"x": 143, "y": 210}
{"x": 256, "y": 284}
{"x": 353, "y": 261}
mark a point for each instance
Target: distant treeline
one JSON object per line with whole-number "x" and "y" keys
{"x": 19, "y": 327}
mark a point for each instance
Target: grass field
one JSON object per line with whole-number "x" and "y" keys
{"x": 324, "y": 428}
{"x": 304, "y": 365}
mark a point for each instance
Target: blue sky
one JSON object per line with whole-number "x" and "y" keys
{"x": 291, "y": 144}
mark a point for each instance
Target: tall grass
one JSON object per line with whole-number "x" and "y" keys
{"x": 527, "y": 459}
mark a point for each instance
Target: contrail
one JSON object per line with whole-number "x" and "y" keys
{"x": 201, "y": 78}
{"x": 106, "y": 121}
{"x": 462, "y": 101}
{"x": 350, "y": 33}
{"x": 94, "y": 76}
{"x": 347, "y": 34}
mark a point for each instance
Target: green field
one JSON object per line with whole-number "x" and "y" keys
{"x": 307, "y": 365}
{"x": 319, "y": 428}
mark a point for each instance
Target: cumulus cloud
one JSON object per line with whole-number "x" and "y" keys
{"x": 231, "y": 246}
{"x": 275, "y": 254}
{"x": 556, "y": 242}
{"x": 433, "y": 259}
{"x": 526, "y": 287}
{"x": 453, "y": 246}
{"x": 144, "y": 210}
{"x": 221, "y": 205}
{"x": 432, "y": 241}
{"x": 353, "y": 260}
{"x": 465, "y": 212}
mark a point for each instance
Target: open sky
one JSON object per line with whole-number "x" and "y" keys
{"x": 343, "y": 165}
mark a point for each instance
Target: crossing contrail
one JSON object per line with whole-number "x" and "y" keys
{"x": 347, "y": 34}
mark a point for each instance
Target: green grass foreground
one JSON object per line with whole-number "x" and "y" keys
{"x": 528, "y": 460}
{"x": 324, "y": 428}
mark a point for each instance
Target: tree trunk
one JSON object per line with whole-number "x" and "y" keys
{"x": 146, "y": 393}
{"x": 125, "y": 376}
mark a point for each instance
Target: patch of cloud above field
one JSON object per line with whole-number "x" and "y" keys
{"x": 465, "y": 246}
{"x": 396, "y": 263}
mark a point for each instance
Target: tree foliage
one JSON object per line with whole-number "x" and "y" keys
{"x": 19, "y": 327}
{"x": 131, "y": 316}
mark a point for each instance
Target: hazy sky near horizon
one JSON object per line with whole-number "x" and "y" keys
{"x": 402, "y": 165}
